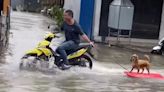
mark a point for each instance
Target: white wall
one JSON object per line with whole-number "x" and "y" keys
{"x": 96, "y": 20}
{"x": 162, "y": 24}
{"x": 74, "y": 5}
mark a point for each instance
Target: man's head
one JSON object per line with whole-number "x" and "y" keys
{"x": 68, "y": 15}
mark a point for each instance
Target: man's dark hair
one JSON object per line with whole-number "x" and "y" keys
{"x": 70, "y": 13}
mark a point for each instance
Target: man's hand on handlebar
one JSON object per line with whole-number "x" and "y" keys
{"x": 92, "y": 43}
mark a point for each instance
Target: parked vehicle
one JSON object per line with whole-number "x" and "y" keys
{"x": 159, "y": 49}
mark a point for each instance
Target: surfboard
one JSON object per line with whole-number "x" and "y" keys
{"x": 144, "y": 75}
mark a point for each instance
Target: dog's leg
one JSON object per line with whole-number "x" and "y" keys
{"x": 132, "y": 69}
{"x": 148, "y": 70}
{"x": 138, "y": 70}
{"x": 142, "y": 70}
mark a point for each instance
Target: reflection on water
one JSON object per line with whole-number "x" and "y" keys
{"x": 106, "y": 76}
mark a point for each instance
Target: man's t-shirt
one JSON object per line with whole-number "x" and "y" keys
{"x": 72, "y": 32}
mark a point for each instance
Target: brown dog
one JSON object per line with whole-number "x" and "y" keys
{"x": 140, "y": 63}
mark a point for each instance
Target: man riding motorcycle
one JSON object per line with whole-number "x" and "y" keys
{"x": 72, "y": 32}
{"x": 45, "y": 56}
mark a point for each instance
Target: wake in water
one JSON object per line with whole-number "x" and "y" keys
{"x": 98, "y": 69}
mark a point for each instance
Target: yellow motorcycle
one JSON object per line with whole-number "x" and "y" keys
{"x": 44, "y": 54}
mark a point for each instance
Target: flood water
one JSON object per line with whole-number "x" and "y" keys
{"x": 28, "y": 29}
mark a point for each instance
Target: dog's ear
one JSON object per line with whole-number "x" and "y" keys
{"x": 134, "y": 58}
{"x": 131, "y": 58}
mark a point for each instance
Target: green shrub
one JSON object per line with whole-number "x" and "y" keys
{"x": 57, "y": 15}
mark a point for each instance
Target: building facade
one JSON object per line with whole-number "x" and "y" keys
{"x": 32, "y": 5}
{"x": 15, "y": 4}
{"x": 26, "y": 5}
{"x": 52, "y": 2}
{"x": 147, "y": 22}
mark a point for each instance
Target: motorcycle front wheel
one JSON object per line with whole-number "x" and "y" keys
{"x": 27, "y": 63}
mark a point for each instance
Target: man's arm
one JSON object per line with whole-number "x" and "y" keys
{"x": 85, "y": 37}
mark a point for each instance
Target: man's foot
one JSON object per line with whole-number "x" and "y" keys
{"x": 64, "y": 67}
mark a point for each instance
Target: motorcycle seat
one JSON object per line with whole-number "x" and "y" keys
{"x": 78, "y": 48}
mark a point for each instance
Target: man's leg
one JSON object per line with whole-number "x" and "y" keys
{"x": 69, "y": 45}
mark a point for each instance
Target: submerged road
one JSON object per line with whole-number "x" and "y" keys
{"x": 106, "y": 76}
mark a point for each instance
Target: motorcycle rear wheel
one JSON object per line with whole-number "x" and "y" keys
{"x": 85, "y": 61}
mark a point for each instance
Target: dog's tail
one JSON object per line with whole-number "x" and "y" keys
{"x": 146, "y": 57}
